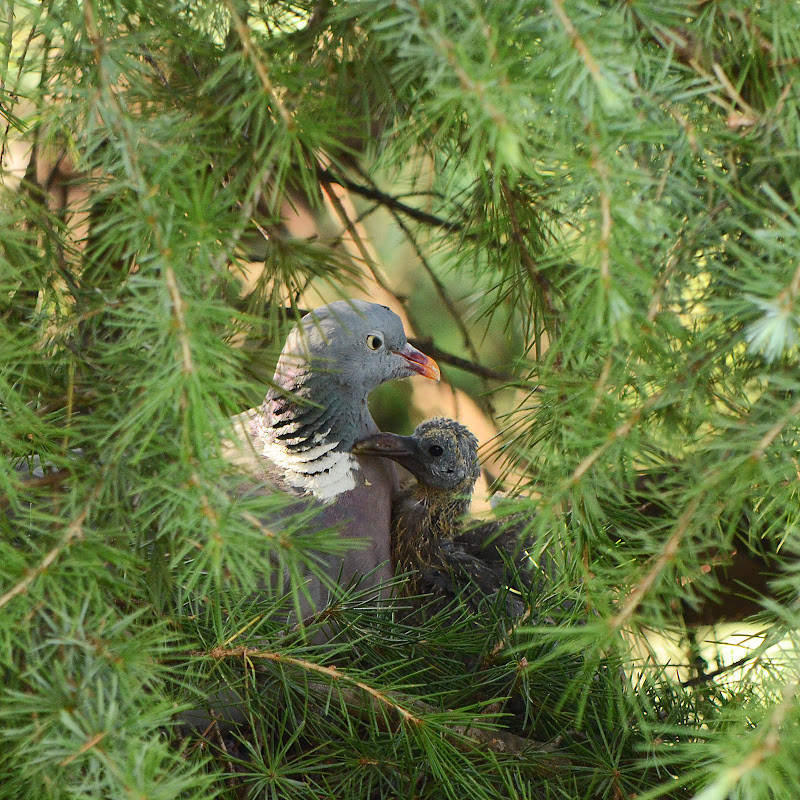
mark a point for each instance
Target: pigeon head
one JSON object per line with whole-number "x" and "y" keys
{"x": 352, "y": 345}
{"x": 441, "y": 454}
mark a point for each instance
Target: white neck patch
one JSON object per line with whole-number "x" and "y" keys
{"x": 322, "y": 471}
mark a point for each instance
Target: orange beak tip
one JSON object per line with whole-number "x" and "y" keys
{"x": 420, "y": 363}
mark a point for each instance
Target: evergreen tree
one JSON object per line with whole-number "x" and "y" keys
{"x": 604, "y": 193}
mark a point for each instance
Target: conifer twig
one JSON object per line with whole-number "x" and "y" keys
{"x": 769, "y": 437}
{"x": 668, "y": 553}
{"x": 733, "y": 93}
{"x": 84, "y": 748}
{"x": 253, "y": 52}
{"x": 577, "y": 41}
{"x": 450, "y": 52}
{"x": 527, "y": 260}
{"x": 466, "y": 736}
{"x": 331, "y": 672}
{"x": 74, "y": 532}
{"x": 358, "y": 240}
{"x": 387, "y": 201}
{"x": 768, "y": 742}
{"x": 619, "y": 432}
{"x": 495, "y": 740}
{"x": 180, "y": 319}
{"x": 606, "y": 221}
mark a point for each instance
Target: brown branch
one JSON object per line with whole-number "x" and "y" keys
{"x": 316, "y": 23}
{"x": 358, "y": 241}
{"x": 325, "y": 177}
{"x": 409, "y": 710}
{"x": 331, "y": 672}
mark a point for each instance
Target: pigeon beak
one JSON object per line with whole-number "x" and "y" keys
{"x": 418, "y": 362}
{"x": 402, "y": 449}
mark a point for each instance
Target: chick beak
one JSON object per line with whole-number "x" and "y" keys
{"x": 402, "y": 449}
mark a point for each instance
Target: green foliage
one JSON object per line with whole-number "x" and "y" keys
{"x": 607, "y": 193}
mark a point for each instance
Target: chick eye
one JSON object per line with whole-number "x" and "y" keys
{"x": 374, "y": 342}
{"x": 435, "y": 450}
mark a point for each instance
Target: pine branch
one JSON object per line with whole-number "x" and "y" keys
{"x": 326, "y": 177}
{"x": 73, "y": 533}
{"x": 409, "y": 711}
{"x": 665, "y": 557}
{"x": 641, "y": 273}
{"x": 619, "y": 432}
{"x": 257, "y": 59}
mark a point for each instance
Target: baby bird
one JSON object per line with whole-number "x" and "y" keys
{"x": 427, "y": 516}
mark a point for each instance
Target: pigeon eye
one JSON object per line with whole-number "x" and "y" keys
{"x": 374, "y": 342}
{"x": 435, "y": 450}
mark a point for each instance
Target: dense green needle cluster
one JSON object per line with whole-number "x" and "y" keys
{"x": 596, "y": 200}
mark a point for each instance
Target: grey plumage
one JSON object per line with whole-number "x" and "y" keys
{"x": 304, "y": 432}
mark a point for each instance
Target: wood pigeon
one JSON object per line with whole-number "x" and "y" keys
{"x": 303, "y": 434}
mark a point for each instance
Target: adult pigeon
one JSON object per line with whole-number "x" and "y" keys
{"x": 303, "y": 433}
{"x": 300, "y": 441}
